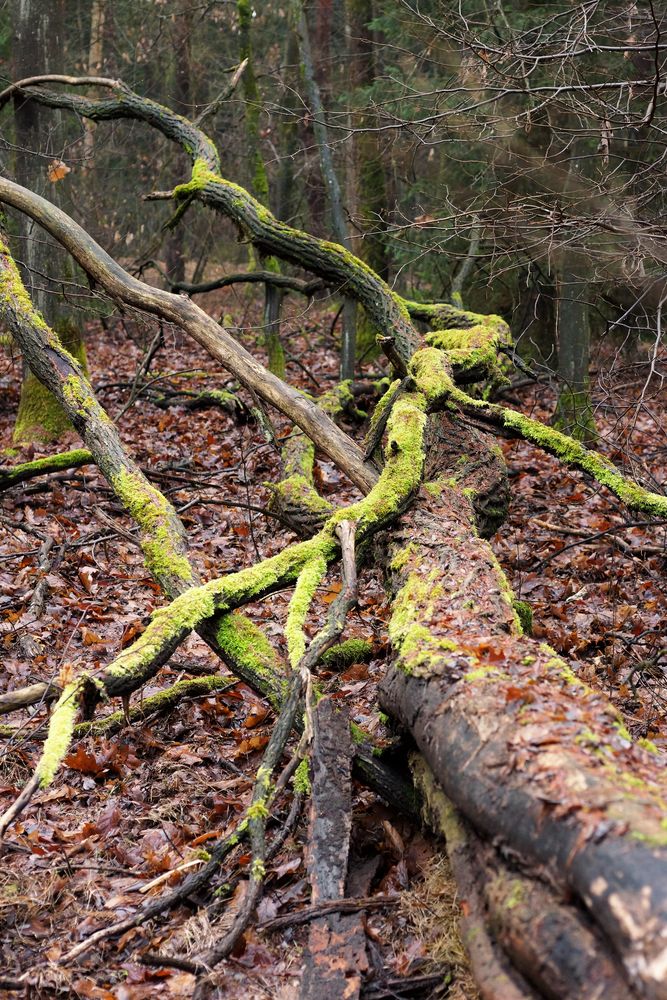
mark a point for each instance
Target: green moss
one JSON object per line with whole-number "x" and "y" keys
{"x": 301, "y": 779}
{"x": 596, "y": 465}
{"x": 622, "y": 731}
{"x": 381, "y": 406}
{"x": 298, "y": 492}
{"x": 516, "y": 894}
{"x": 61, "y": 728}
{"x": 403, "y": 556}
{"x": 647, "y": 745}
{"x": 162, "y": 541}
{"x": 652, "y": 840}
{"x": 309, "y": 579}
{"x": 40, "y": 416}
{"x": 402, "y": 473}
{"x": 201, "y": 176}
{"x": 483, "y": 672}
{"x": 415, "y": 603}
{"x": 258, "y": 810}
{"x": 12, "y": 290}
{"x": 473, "y": 350}
{"x": 346, "y": 653}
{"x": 525, "y": 613}
{"x": 40, "y": 466}
{"x": 244, "y": 643}
{"x": 257, "y": 870}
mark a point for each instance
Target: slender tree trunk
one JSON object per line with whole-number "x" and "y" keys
{"x": 95, "y": 57}
{"x": 38, "y": 48}
{"x": 335, "y": 200}
{"x": 259, "y": 185}
{"x": 574, "y": 413}
{"x": 181, "y": 33}
{"x": 369, "y": 177}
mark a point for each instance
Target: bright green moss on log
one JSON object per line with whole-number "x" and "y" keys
{"x": 430, "y": 371}
{"x": 61, "y": 728}
{"x": 309, "y": 580}
{"x": 301, "y": 779}
{"x": 244, "y": 644}
{"x": 201, "y": 176}
{"x": 474, "y": 350}
{"x": 162, "y": 701}
{"x": 575, "y": 454}
{"x": 525, "y": 615}
{"x": 162, "y": 538}
{"x": 344, "y": 654}
{"x": 42, "y": 466}
{"x": 171, "y": 624}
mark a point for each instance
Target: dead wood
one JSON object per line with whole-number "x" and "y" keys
{"x": 335, "y": 956}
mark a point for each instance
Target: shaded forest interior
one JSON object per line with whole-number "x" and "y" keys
{"x": 332, "y": 503}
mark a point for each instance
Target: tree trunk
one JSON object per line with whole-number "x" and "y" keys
{"x": 38, "y": 34}
{"x": 369, "y": 173}
{"x": 331, "y": 183}
{"x": 574, "y": 413}
{"x": 181, "y": 31}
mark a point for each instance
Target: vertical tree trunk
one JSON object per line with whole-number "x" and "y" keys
{"x": 369, "y": 168}
{"x": 336, "y": 210}
{"x": 259, "y": 184}
{"x": 38, "y": 49}
{"x": 181, "y": 31}
{"x": 286, "y": 188}
{"x": 95, "y": 56}
{"x": 574, "y": 413}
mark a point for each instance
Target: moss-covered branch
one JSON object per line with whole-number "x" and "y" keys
{"x": 198, "y": 324}
{"x": 331, "y": 262}
{"x": 432, "y": 372}
{"x": 11, "y": 475}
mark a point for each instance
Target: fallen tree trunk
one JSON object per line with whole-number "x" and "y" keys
{"x": 533, "y": 759}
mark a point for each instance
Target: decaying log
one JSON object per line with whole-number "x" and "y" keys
{"x": 535, "y": 761}
{"x": 335, "y": 956}
{"x": 530, "y": 756}
{"x": 550, "y": 943}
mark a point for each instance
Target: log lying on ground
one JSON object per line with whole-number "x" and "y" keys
{"x": 530, "y": 755}
{"x": 336, "y": 950}
{"x": 550, "y": 942}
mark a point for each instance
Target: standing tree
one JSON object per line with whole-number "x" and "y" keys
{"x": 39, "y": 42}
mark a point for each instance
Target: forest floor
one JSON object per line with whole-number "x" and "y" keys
{"x": 129, "y": 812}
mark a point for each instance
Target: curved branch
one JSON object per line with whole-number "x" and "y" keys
{"x": 202, "y": 327}
{"x": 330, "y": 261}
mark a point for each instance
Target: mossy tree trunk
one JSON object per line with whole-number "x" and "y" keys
{"x": 538, "y": 763}
{"x": 39, "y": 43}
